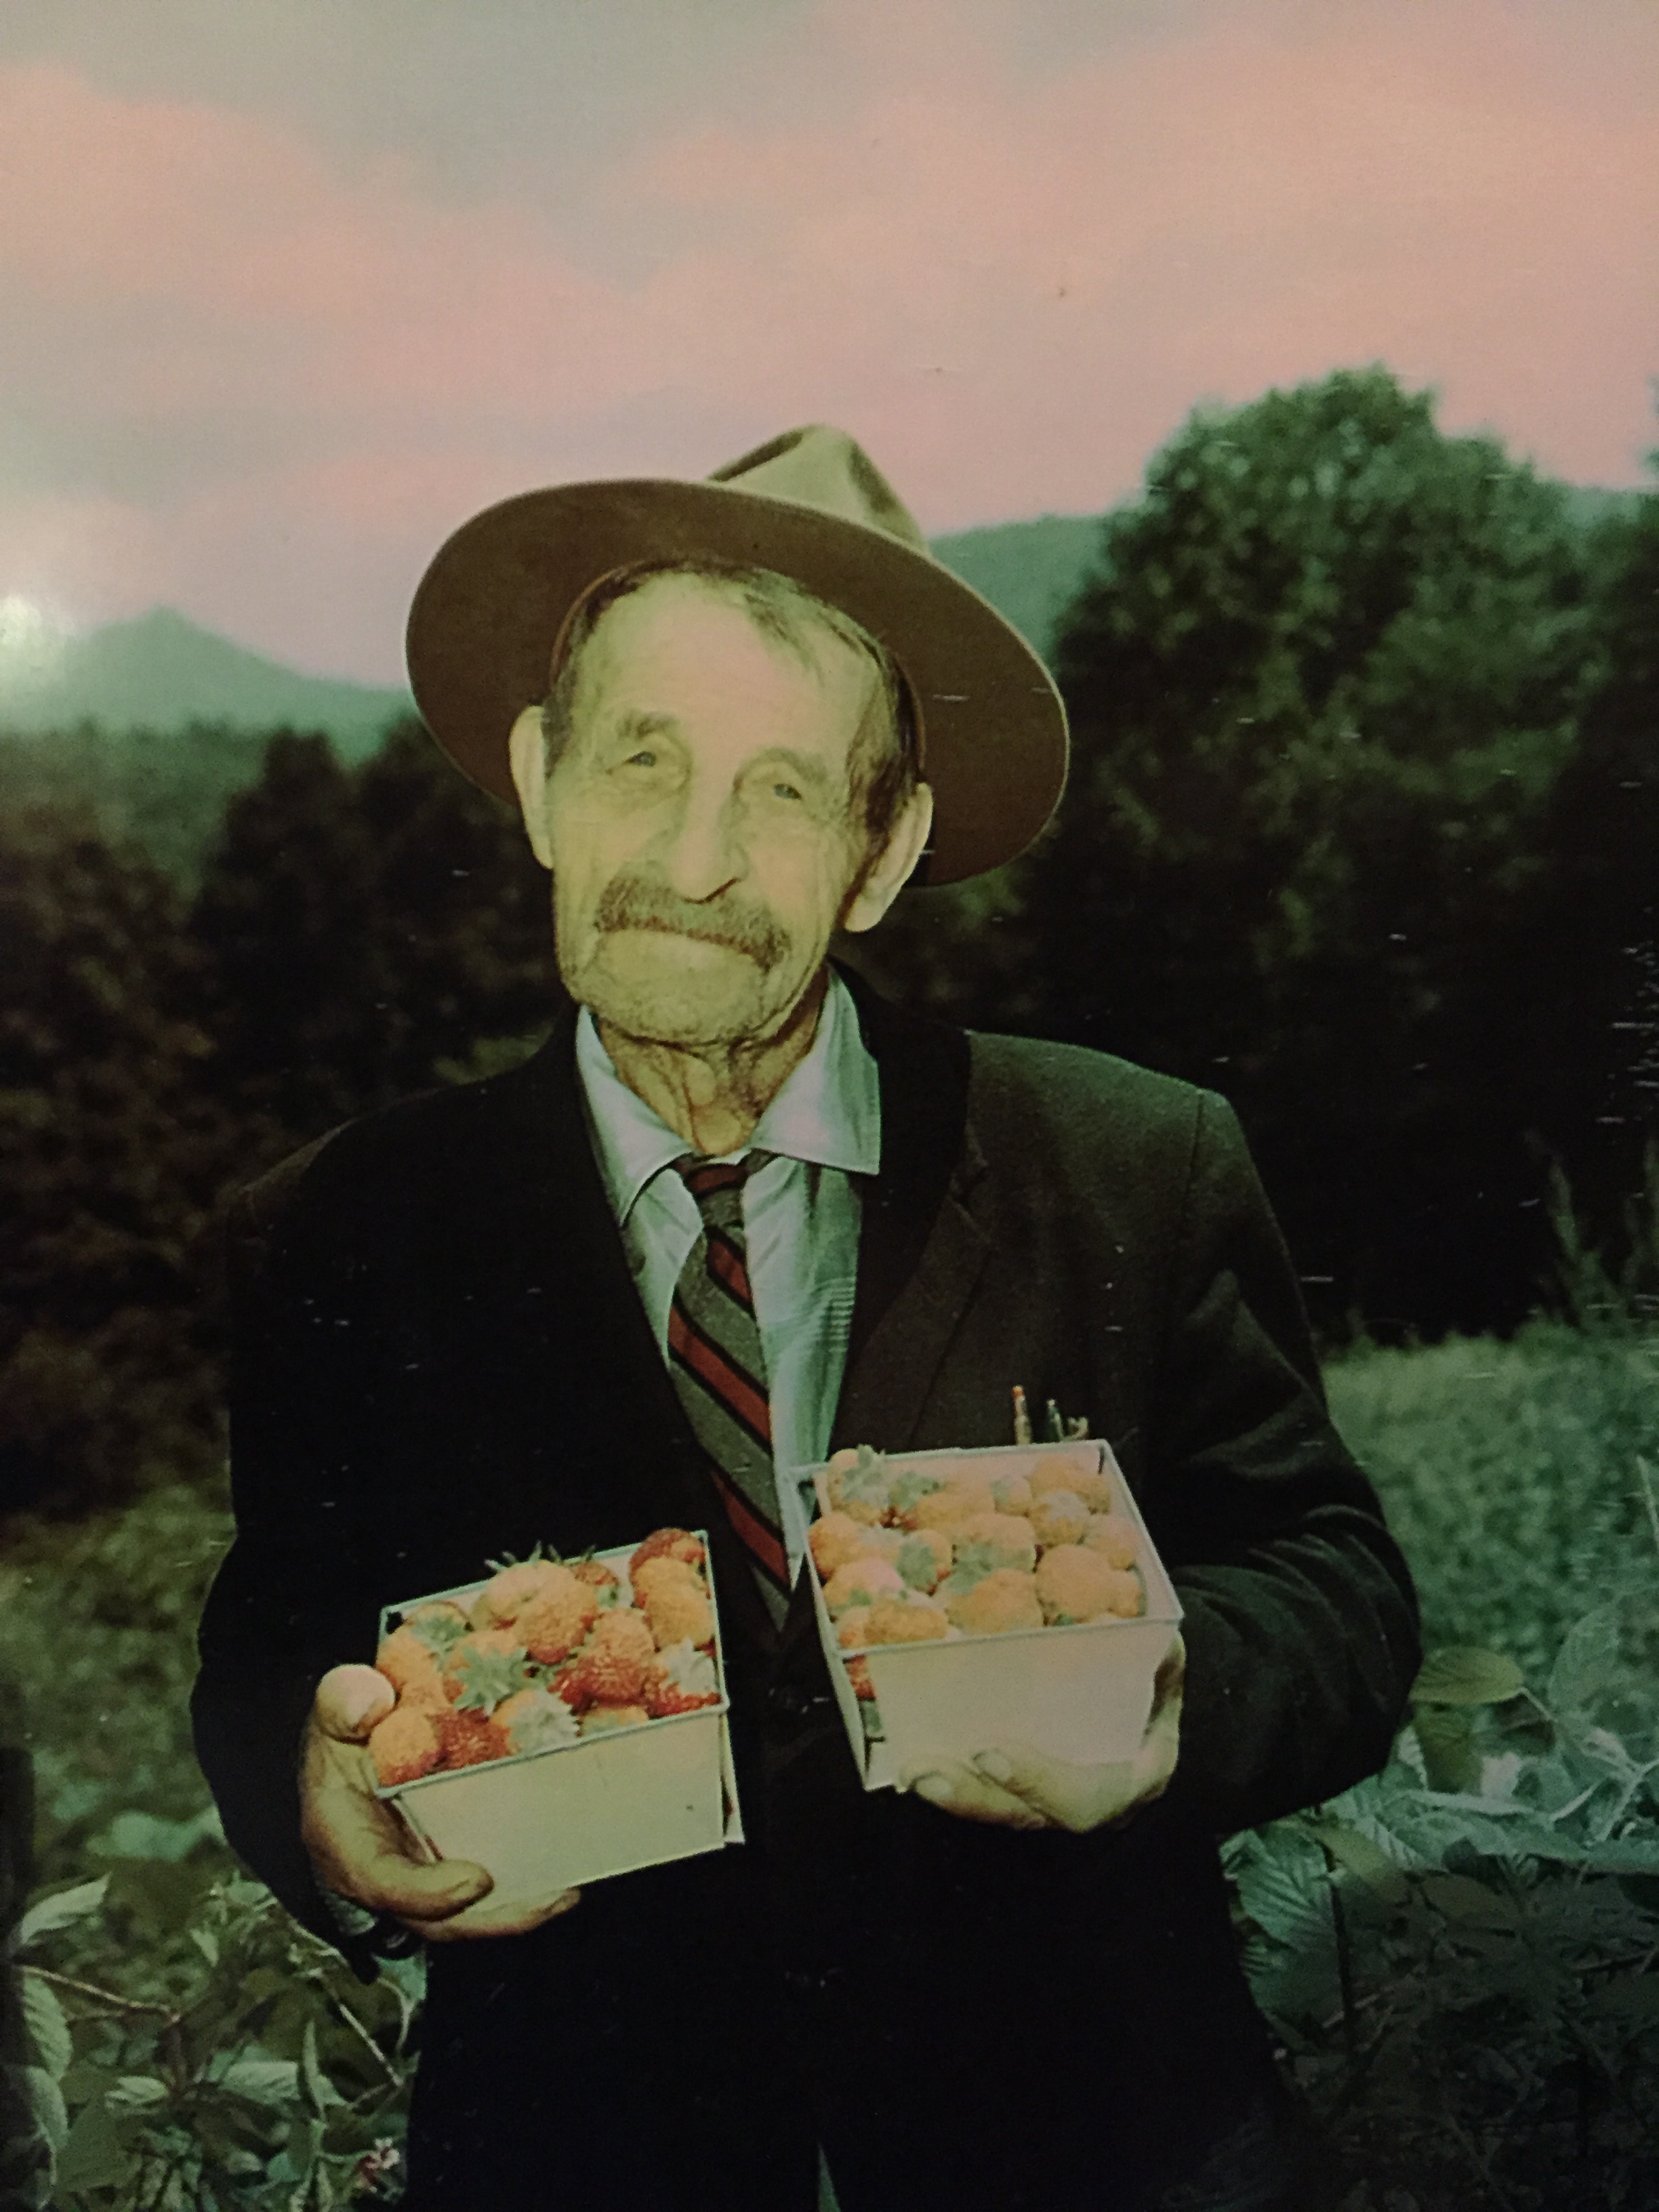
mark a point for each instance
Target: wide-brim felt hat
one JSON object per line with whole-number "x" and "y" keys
{"x": 499, "y": 595}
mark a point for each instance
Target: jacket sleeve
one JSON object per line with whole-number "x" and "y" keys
{"x": 1301, "y": 1620}
{"x": 281, "y": 1611}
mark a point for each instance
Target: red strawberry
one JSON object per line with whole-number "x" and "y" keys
{"x": 612, "y": 1665}
{"x": 469, "y": 1739}
{"x": 680, "y": 1681}
{"x": 611, "y": 1678}
{"x": 664, "y": 1698}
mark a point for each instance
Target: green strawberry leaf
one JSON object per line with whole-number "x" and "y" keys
{"x": 918, "y": 1562}
{"x": 439, "y": 1631}
{"x": 488, "y": 1678}
{"x": 912, "y": 1486}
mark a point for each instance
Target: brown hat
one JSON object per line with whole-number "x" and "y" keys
{"x": 811, "y": 505}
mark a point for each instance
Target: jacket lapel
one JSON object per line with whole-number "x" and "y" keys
{"x": 594, "y": 1374}
{"x": 920, "y": 1252}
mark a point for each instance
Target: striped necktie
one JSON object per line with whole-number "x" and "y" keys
{"x": 718, "y": 1368}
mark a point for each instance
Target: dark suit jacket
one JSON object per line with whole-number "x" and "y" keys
{"x": 439, "y": 1358}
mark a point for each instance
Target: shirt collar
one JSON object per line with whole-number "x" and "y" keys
{"x": 828, "y": 1111}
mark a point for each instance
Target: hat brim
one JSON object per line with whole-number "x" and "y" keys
{"x": 484, "y": 619}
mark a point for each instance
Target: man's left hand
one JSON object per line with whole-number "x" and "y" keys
{"x": 1012, "y": 1786}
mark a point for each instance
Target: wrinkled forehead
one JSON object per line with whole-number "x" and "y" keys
{"x": 702, "y": 650}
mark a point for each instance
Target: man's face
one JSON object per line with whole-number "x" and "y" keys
{"x": 697, "y": 822}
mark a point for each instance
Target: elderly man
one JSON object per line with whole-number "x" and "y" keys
{"x": 737, "y": 716}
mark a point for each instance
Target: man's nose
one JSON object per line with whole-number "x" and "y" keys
{"x": 700, "y": 854}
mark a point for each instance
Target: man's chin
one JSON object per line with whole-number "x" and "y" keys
{"x": 674, "y": 990}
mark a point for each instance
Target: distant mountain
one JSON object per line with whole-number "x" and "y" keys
{"x": 1031, "y": 572}
{"x": 161, "y": 672}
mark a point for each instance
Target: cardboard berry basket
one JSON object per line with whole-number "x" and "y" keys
{"x": 576, "y": 1813}
{"x": 1081, "y": 1693}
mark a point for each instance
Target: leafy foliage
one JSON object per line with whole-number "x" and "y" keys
{"x": 112, "y": 1151}
{"x": 1360, "y": 832}
{"x": 266, "y": 2077}
{"x": 1462, "y": 1968}
{"x": 1509, "y": 1474}
{"x": 360, "y": 926}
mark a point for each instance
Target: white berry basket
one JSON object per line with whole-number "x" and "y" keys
{"x": 1082, "y": 1692}
{"x": 607, "y": 1804}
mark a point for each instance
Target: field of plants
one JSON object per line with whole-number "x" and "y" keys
{"x": 1459, "y": 1956}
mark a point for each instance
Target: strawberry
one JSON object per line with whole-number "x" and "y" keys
{"x": 611, "y": 1666}
{"x": 679, "y": 1613}
{"x": 469, "y": 1740}
{"x": 407, "y": 1662}
{"x": 404, "y": 1746}
{"x": 599, "y": 1578}
{"x": 668, "y": 1544}
{"x": 613, "y": 1716}
{"x": 680, "y": 1681}
{"x": 552, "y": 1627}
{"x": 513, "y": 1590}
{"x": 609, "y": 1678}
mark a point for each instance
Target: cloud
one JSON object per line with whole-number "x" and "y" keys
{"x": 249, "y": 375}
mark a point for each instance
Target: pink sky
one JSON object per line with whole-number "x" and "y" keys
{"x": 257, "y": 361}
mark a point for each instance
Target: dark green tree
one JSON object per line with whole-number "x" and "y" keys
{"x": 367, "y": 931}
{"x": 112, "y": 1154}
{"x": 1323, "y": 686}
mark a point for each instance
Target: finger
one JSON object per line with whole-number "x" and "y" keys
{"x": 969, "y": 1794}
{"x": 350, "y": 1700}
{"x": 1060, "y": 1795}
{"x": 389, "y": 1882}
{"x": 1170, "y": 1681}
{"x": 488, "y": 1919}
{"x": 360, "y": 1847}
{"x": 1063, "y": 1794}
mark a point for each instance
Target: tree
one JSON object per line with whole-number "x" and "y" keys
{"x": 1322, "y": 683}
{"x": 112, "y": 1154}
{"x": 364, "y": 928}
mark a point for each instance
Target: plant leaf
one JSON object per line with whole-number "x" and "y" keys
{"x": 43, "y": 2100}
{"x": 1362, "y": 1857}
{"x": 1465, "y": 1674}
{"x": 265, "y": 2080}
{"x": 134, "y": 2091}
{"x": 51, "y": 2044}
{"x": 93, "y": 2156}
{"x": 320, "y": 2092}
{"x": 59, "y": 1911}
{"x": 1469, "y": 1902}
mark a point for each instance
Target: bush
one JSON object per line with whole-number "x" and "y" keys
{"x": 1508, "y": 1472}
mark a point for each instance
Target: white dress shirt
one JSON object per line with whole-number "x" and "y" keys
{"x": 800, "y": 1208}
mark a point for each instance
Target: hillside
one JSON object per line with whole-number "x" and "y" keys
{"x": 162, "y": 671}
{"x": 1029, "y": 571}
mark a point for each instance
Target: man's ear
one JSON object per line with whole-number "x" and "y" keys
{"x": 527, "y": 751}
{"x": 889, "y": 873}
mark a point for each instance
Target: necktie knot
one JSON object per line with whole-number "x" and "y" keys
{"x": 717, "y": 1186}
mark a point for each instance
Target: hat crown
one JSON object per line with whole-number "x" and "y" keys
{"x": 820, "y": 467}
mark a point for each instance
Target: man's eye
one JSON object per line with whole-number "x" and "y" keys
{"x": 644, "y": 758}
{"x": 784, "y": 790}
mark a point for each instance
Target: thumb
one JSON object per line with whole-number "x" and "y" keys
{"x": 427, "y": 1892}
{"x": 350, "y": 1700}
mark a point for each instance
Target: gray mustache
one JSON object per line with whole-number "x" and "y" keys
{"x": 740, "y": 924}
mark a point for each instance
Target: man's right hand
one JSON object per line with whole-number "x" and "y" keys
{"x": 360, "y": 1848}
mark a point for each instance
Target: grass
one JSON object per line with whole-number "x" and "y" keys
{"x": 97, "y": 1637}
{"x": 1508, "y": 1472}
